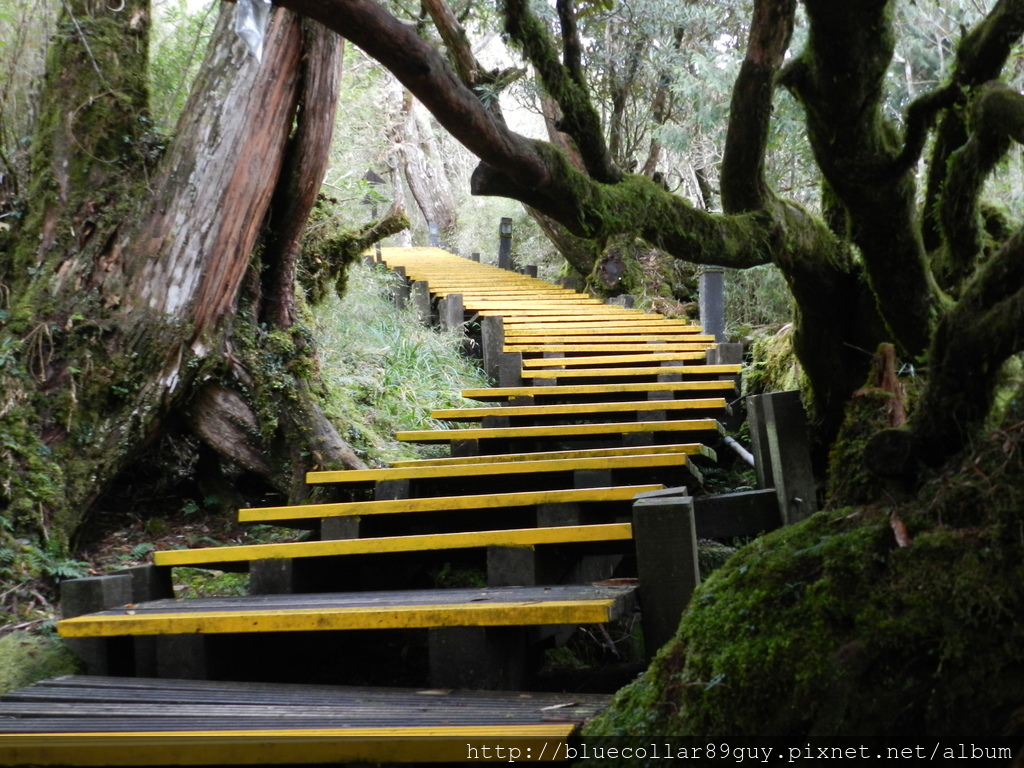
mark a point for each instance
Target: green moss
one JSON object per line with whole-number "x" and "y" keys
{"x": 830, "y": 630}
{"x": 26, "y": 658}
{"x": 774, "y": 366}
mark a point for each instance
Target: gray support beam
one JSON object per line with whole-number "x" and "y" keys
{"x": 510, "y": 369}
{"x": 492, "y": 339}
{"x": 400, "y": 289}
{"x": 475, "y": 256}
{"x": 759, "y": 442}
{"x": 102, "y": 656}
{"x": 625, "y": 300}
{"x": 788, "y": 445}
{"x": 420, "y": 297}
{"x": 453, "y": 313}
{"x": 530, "y": 270}
{"x": 665, "y": 535}
{"x": 435, "y": 235}
{"x": 491, "y": 658}
{"x": 743, "y": 513}
{"x": 711, "y": 287}
{"x": 332, "y": 528}
{"x": 505, "y": 244}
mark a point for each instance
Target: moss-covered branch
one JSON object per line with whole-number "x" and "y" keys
{"x": 997, "y": 118}
{"x": 972, "y": 342}
{"x": 980, "y": 57}
{"x": 839, "y": 79}
{"x": 579, "y": 118}
{"x": 743, "y": 183}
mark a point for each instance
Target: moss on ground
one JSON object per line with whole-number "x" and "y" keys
{"x": 832, "y": 630}
{"x": 26, "y": 658}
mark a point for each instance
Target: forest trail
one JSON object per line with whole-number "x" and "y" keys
{"x": 598, "y": 411}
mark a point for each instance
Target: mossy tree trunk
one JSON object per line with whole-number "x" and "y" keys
{"x": 151, "y": 290}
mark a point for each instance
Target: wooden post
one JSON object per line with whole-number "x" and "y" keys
{"x": 711, "y": 287}
{"x": 435, "y": 237}
{"x": 400, "y": 292}
{"x": 453, "y": 313}
{"x": 102, "y": 656}
{"x": 505, "y": 244}
{"x": 492, "y": 339}
{"x": 665, "y": 535}
{"x": 786, "y": 427}
{"x": 420, "y": 296}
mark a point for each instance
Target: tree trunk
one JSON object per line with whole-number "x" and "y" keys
{"x": 132, "y": 295}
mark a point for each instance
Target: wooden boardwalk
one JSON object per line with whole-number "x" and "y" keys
{"x": 537, "y": 495}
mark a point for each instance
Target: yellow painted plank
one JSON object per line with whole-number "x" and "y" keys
{"x": 517, "y": 537}
{"x": 596, "y": 373}
{"x": 442, "y": 503}
{"x": 607, "y": 347}
{"x": 349, "y": 618}
{"x": 557, "y": 465}
{"x": 613, "y": 336}
{"x": 560, "y": 430}
{"x": 474, "y": 414}
{"x": 689, "y": 449}
{"x": 652, "y": 357}
{"x": 287, "y": 746}
{"x": 633, "y": 329}
{"x": 615, "y": 320}
{"x": 570, "y": 390}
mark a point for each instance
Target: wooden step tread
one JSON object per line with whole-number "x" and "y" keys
{"x": 212, "y": 557}
{"x": 690, "y": 449}
{"x": 572, "y": 409}
{"x": 406, "y": 609}
{"x": 569, "y": 390}
{"x": 631, "y": 332}
{"x": 631, "y": 371}
{"x": 79, "y": 721}
{"x": 635, "y": 461}
{"x": 564, "y": 348}
{"x": 554, "y": 343}
{"x": 442, "y": 503}
{"x": 559, "y": 430}
{"x": 620, "y": 359}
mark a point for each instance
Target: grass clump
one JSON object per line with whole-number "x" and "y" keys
{"x": 384, "y": 369}
{"x": 26, "y": 658}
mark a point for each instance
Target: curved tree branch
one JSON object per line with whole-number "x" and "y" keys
{"x": 572, "y": 48}
{"x": 840, "y": 82}
{"x": 579, "y": 118}
{"x": 980, "y": 57}
{"x": 972, "y": 342}
{"x": 743, "y": 183}
{"x": 997, "y": 118}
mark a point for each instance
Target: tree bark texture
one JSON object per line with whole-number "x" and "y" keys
{"x": 126, "y": 305}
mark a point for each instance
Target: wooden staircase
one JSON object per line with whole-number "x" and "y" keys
{"x": 598, "y": 407}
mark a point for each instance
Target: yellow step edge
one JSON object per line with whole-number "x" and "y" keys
{"x": 597, "y": 373}
{"x": 653, "y": 357}
{"x": 652, "y": 459}
{"x": 442, "y": 503}
{"x": 474, "y": 414}
{"x": 597, "y": 311}
{"x": 603, "y": 337}
{"x": 632, "y": 329}
{"x": 517, "y": 537}
{"x": 348, "y": 618}
{"x": 569, "y": 390}
{"x": 561, "y": 430}
{"x": 536, "y": 743}
{"x": 689, "y": 449}
{"x": 608, "y": 347}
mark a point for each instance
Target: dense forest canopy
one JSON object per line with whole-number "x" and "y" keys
{"x": 153, "y": 283}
